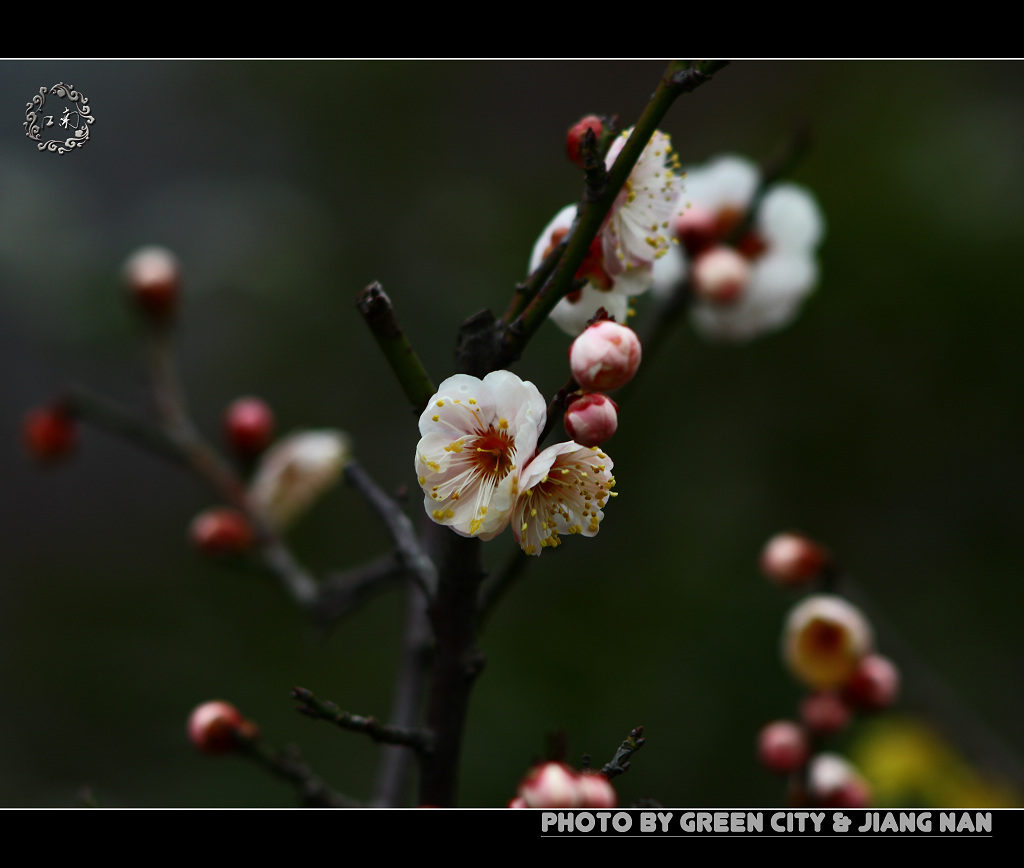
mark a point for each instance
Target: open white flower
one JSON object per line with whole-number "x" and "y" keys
{"x": 563, "y": 490}
{"x": 635, "y": 235}
{"x": 637, "y": 231}
{"x": 475, "y": 437}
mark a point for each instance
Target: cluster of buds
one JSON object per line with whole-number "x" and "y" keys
{"x": 604, "y": 357}
{"x": 828, "y": 645}
{"x": 555, "y": 785}
{"x": 287, "y": 477}
{"x": 218, "y": 727}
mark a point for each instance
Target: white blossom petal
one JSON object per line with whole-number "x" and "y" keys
{"x": 475, "y": 435}
{"x": 563, "y": 490}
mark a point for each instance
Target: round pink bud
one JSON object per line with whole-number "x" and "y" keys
{"x": 248, "y": 426}
{"x": 783, "y": 747}
{"x": 574, "y": 139}
{"x": 592, "y": 419}
{"x": 605, "y": 356}
{"x": 596, "y": 791}
{"x": 792, "y": 560}
{"x": 221, "y": 531}
{"x": 824, "y": 712}
{"x": 720, "y": 275}
{"x": 832, "y": 782}
{"x": 550, "y": 785}
{"x": 216, "y": 727}
{"x": 153, "y": 278}
{"x": 875, "y": 683}
{"x": 49, "y": 433}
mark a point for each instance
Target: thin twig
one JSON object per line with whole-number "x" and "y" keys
{"x": 619, "y": 763}
{"x": 403, "y": 534}
{"x": 417, "y": 739}
{"x": 342, "y": 592}
{"x": 289, "y": 765}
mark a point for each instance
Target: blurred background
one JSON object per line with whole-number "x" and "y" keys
{"x": 886, "y": 422}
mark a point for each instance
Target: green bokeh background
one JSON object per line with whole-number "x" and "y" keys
{"x": 887, "y": 421}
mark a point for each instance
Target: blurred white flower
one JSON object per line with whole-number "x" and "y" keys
{"x": 779, "y": 246}
{"x": 296, "y": 471}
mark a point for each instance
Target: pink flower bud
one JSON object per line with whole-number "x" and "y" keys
{"x": 875, "y": 683}
{"x": 782, "y": 746}
{"x": 550, "y": 785}
{"x": 824, "y": 712}
{"x": 596, "y": 791}
{"x": 824, "y": 639}
{"x": 216, "y": 727}
{"x": 248, "y": 426}
{"x": 605, "y": 356}
{"x": 49, "y": 433}
{"x": 592, "y": 419}
{"x": 696, "y": 228}
{"x": 720, "y": 275}
{"x": 832, "y": 782}
{"x": 792, "y": 560}
{"x": 221, "y": 531}
{"x": 153, "y": 279}
{"x": 574, "y": 139}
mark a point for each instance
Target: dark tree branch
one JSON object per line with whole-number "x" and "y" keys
{"x": 382, "y": 733}
{"x": 619, "y": 763}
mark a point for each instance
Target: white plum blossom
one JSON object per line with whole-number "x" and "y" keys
{"x": 475, "y": 437}
{"x": 478, "y": 466}
{"x": 779, "y": 245}
{"x": 572, "y": 313}
{"x": 637, "y": 230}
{"x": 635, "y": 235}
{"x": 562, "y": 491}
{"x": 296, "y": 471}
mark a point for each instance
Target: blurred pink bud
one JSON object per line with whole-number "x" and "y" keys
{"x": 518, "y": 802}
{"x": 596, "y": 791}
{"x": 824, "y": 712}
{"x": 49, "y": 433}
{"x": 153, "y": 278}
{"x": 792, "y": 560}
{"x": 592, "y": 419}
{"x": 605, "y": 356}
{"x": 574, "y": 138}
{"x": 550, "y": 785}
{"x": 216, "y": 727}
{"x": 874, "y": 684}
{"x": 248, "y": 426}
{"x": 832, "y": 782}
{"x": 221, "y": 531}
{"x": 824, "y": 639}
{"x": 720, "y": 275}
{"x": 782, "y": 746}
